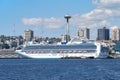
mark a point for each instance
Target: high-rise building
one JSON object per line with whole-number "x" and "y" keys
{"x": 116, "y": 33}
{"x": 103, "y": 34}
{"x": 84, "y": 32}
{"x": 28, "y": 35}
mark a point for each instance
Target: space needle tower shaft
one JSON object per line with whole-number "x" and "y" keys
{"x": 67, "y": 17}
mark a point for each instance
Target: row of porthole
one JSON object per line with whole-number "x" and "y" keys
{"x": 71, "y": 51}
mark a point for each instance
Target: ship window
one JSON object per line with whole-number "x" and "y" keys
{"x": 62, "y": 47}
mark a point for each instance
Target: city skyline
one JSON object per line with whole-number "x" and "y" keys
{"x": 46, "y": 18}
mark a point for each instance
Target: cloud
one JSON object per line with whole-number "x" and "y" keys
{"x": 106, "y": 3}
{"x": 32, "y": 21}
{"x": 53, "y": 22}
{"x": 112, "y": 6}
{"x": 86, "y": 20}
{"x": 105, "y": 14}
{"x": 44, "y": 22}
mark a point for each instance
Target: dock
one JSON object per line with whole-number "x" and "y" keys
{"x": 8, "y": 54}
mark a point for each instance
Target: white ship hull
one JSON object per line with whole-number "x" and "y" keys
{"x": 64, "y": 55}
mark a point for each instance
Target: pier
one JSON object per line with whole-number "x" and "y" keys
{"x": 8, "y": 54}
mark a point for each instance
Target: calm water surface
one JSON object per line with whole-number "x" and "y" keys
{"x": 59, "y": 69}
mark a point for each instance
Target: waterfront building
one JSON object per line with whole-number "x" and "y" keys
{"x": 84, "y": 32}
{"x": 28, "y": 35}
{"x": 116, "y": 34}
{"x": 103, "y": 34}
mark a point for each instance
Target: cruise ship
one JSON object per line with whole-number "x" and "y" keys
{"x": 75, "y": 48}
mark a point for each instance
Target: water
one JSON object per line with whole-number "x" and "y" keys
{"x": 59, "y": 69}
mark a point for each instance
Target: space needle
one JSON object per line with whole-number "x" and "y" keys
{"x": 67, "y": 17}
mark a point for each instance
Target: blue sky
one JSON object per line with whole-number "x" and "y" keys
{"x": 46, "y": 17}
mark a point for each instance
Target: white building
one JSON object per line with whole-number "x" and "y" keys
{"x": 83, "y": 33}
{"x": 116, "y": 33}
{"x": 28, "y": 35}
